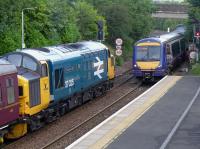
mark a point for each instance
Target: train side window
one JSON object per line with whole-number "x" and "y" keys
{"x": 176, "y": 48}
{"x": 1, "y": 96}
{"x": 59, "y": 78}
{"x": 168, "y": 50}
{"x": 183, "y": 44}
{"x": 44, "y": 70}
{"x": 10, "y": 90}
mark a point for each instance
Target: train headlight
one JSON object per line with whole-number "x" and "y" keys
{"x": 135, "y": 65}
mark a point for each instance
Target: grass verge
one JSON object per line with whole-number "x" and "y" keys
{"x": 196, "y": 69}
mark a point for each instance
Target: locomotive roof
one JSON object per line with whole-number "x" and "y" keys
{"x": 6, "y": 68}
{"x": 63, "y": 51}
{"x": 178, "y": 32}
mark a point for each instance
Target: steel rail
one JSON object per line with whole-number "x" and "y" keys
{"x": 57, "y": 139}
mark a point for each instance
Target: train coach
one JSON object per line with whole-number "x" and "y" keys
{"x": 9, "y": 102}
{"x": 56, "y": 79}
{"x": 157, "y": 56}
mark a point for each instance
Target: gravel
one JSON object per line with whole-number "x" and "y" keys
{"x": 37, "y": 139}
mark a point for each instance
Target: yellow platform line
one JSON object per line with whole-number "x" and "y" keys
{"x": 136, "y": 114}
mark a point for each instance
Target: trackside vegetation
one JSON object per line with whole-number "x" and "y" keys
{"x": 194, "y": 15}
{"x": 64, "y": 21}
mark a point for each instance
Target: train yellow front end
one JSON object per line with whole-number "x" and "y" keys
{"x": 156, "y": 57}
{"x": 147, "y": 59}
{"x": 34, "y": 94}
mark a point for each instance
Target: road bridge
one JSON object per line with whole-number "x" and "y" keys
{"x": 172, "y": 11}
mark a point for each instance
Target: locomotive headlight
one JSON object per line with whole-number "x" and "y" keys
{"x": 135, "y": 65}
{"x": 159, "y": 66}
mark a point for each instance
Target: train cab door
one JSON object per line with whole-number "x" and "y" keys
{"x": 44, "y": 84}
{"x": 111, "y": 66}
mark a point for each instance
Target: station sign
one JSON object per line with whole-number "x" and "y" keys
{"x": 119, "y": 41}
{"x": 118, "y": 52}
{"x": 118, "y": 47}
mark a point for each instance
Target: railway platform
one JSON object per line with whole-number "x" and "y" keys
{"x": 165, "y": 116}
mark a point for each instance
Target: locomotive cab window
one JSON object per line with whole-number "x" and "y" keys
{"x": 44, "y": 72}
{"x": 146, "y": 53}
{"x": 15, "y": 59}
{"x": 29, "y": 63}
{"x": 23, "y": 61}
{"x": 10, "y": 90}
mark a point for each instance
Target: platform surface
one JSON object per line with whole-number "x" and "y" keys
{"x": 150, "y": 131}
{"x": 146, "y": 122}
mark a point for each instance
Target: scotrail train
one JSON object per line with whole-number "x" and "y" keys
{"x": 38, "y": 85}
{"x": 157, "y": 56}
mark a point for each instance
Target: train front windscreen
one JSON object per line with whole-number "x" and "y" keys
{"x": 148, "y": 53}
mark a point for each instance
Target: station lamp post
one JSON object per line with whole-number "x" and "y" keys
{"x": 23, "y": 43}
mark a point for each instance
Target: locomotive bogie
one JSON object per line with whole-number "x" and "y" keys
{"x": 16, "y": 131}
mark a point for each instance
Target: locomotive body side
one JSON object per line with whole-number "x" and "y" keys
{"x": 78, "y": 73}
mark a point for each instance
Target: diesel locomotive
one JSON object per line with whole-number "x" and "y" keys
{"x": 45, "y": 83}
{"x": 156, "y": 56}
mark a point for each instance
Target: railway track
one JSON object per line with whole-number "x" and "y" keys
{"x": 79, "y": 126}
{"x": 56, "y": 140}
{"x": 60, "y": 139}
{"x": 120, "y": 80}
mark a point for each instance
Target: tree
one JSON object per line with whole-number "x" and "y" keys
{"x": 52, "y": 22}
{"x": 127, "y": 19}
{"x": 87, "y": 18}
{"x": 194, "y": 3}
{"x": 194, "y": 16}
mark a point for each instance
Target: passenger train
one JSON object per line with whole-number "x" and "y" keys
{"x": 38, "y": 85}
{"x": 156, "y": 56}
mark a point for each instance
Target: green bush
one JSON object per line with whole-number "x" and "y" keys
{"x": 196, "y": 69}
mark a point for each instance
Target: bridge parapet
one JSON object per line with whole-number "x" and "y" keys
{"x": 178, "y": 8}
